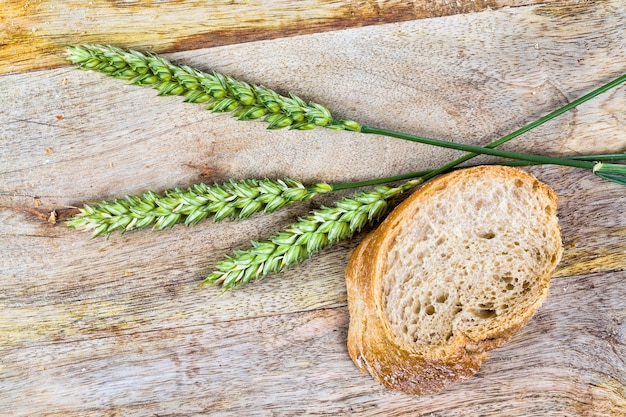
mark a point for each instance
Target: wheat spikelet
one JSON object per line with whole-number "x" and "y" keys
{"x": 234, "y": 199}
{"x": 319, "y": 229}
{"x": 218, "y": 92}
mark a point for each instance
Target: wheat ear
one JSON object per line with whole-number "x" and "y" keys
{"x": 234, "y": 199}
{"x": 218, "y": 92}
{"x": 298, "y": 241}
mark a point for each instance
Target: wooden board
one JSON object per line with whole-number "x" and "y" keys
{"x": 119, "y": 327}
{"x": 33, "y": 33}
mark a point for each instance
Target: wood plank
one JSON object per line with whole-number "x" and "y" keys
{"x": 298, "y": 365}
{"x": 119, "y": 326}
{"x": 33, "y": 33}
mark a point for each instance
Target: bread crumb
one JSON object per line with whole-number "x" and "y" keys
{"x": 59, "y": 117}
{"x": 37, "y": 202}
{"x": 53, "y": 217}
{"x": 49, "y": 150}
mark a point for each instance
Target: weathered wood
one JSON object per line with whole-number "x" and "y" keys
{"x": 120, "y": 327}
{"x": 565, "y": 363}
{"x": 33, "y": 33}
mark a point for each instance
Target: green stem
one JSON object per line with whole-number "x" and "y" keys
{"x": 526, "y": 128}
{"x": 423, "y": 175}
{"x": 540, "y": 159}
{"x": 603, "y": 157}
{"x": 611, "y": 172}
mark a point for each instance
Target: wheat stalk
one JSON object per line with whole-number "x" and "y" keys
{"x": 240, "y": 199}
{"x": 234, "y": 199}
{"x": 218, "y": 92}
{"x": 222, "y": 93}
{"x": 298, "y": 241}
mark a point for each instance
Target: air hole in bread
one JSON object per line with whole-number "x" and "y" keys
{"x": 488, "y": 235}
{"x": 416, "y": 308}
{"x": 429, "y": 310}
{"x": 441, "y": 298}
{"x": 484, "y": 313}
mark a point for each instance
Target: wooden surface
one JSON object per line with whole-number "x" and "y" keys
{"x": 119, "y": 327}
{"x": 33, "y": 32}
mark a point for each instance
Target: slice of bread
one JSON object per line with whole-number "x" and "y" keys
{"x": 453, "y": 272}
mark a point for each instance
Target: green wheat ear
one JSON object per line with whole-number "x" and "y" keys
{"x": 218, "y": 92}
{"x": 234, "y": 200}
{"x": 319, "y": 229}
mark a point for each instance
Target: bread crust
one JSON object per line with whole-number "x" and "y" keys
{"x": 372, "y": 345}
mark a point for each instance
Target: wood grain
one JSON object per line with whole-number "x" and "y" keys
{"x": 218, "y": 369}
{"x": 34, "y": 33}
{"x": 119, "y": 327}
